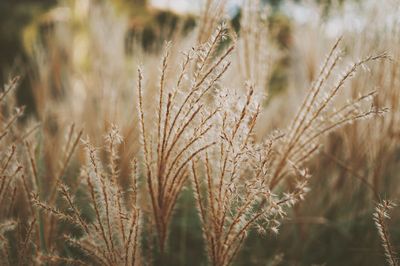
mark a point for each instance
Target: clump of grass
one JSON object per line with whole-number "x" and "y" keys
{"x": 317, "y": 115}
{"x": 231, "y": 180}
{"x": 112, "y": 237}
{"x": 202, "y": 127}
{"x": 182, "y": 122}
{"x": 241, "y": 176}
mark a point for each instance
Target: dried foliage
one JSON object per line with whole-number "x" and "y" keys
{"x": 200, "y": 122}
{"x": 112, "y": 237}
{"x": 232, "y": 192}
{"x": 182, "y": 122}
{"x": 317, "y": 116}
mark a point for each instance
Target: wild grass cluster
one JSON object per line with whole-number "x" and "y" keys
{"x": 186, "y": 156}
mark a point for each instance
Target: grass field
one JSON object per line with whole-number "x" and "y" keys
{"x": 267, "y": 137}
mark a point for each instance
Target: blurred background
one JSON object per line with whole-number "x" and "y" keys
{"x": 22, "y": 21}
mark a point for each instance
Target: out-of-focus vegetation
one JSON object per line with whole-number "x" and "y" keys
{"x": 14, "y": 17}
{"x": 24, "y": 23}
{"x": 246, "y": 140}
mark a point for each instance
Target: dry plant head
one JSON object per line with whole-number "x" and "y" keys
{"x": 381, "y": 214}
{"x": 182, "y": 121}
{"x": 231, "y": 179}
{"x": 112, "y": 237}
{"x": 318, "y": 115}
{"x": 346, "y": 147}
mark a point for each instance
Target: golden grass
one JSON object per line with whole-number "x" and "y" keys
{"x": 96, "y": 177}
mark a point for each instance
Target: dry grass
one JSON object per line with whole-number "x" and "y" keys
{"x": 380, "y": 215}
{"x": 76, "y": 189}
